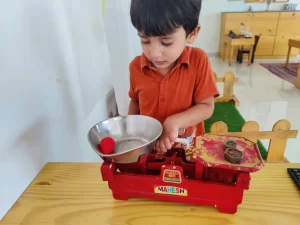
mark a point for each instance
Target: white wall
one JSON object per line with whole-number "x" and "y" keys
{"x": 55, "y": 82}
{"x": 210, "y": 19}
{"x": 124, "y": 45}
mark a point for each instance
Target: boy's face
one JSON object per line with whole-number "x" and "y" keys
{"x": 164, "y": 51}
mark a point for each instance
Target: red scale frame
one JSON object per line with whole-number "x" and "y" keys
{"x": 171, "y": 177}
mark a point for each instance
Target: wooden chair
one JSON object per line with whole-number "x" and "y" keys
{"x": 243, "y": 51}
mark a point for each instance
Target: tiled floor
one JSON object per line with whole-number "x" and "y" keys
{"x": 265, "y": 98}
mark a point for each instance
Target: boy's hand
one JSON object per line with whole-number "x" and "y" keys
{"x": 167, "y": 139}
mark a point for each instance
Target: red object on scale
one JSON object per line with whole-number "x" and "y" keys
{"x": 107, "y": 145}
{"x": 199, "y": 175}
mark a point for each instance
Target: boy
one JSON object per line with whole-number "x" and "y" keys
{"x": 170, "y": 81}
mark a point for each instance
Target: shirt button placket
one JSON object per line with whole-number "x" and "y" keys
{"x": 163, "y": 97}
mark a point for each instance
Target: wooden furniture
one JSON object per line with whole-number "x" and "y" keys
{"x": 298, "y": 78}
{"x": 275, "y": 28}
{"x": 243, "y": 51}
{"x": 293, "y": 44}
{"x": 278, "y": 137}
{"x": 74, "y": 193}
{"x": 228, "y": 91}
{"x": 232, "y": 43}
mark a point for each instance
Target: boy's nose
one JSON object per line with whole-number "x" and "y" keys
{"x": 156, "y": 52}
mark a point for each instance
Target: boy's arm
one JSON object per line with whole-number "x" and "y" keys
{"x": 198, "y": 113}
{"x": 204, "y": 94}
{"x": 134, "y": 107}
{"x": 202, "y": 111}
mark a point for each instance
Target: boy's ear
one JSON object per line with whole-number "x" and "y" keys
{"x": 192, "y": 36}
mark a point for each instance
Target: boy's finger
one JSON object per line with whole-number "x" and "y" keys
{"x": 162, "y": 146}
{"x": 157, "y": 147}
{"x": 173, "y": 136}
{"x": 168, "y": 144}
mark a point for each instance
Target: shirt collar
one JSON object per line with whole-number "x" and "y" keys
{"x": 184, "y": 58}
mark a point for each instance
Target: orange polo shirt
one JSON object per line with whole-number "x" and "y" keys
{"x": 159, "y": 96}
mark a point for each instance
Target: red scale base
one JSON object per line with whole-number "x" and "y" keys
{"x": 175, "y": 179}
{"x": 198, "y": 175}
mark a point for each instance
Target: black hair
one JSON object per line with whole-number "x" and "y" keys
{"x": 162, "y": 17}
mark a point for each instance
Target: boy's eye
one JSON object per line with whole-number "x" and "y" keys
{"x": 145, "y": 42}
{"x": 166, "y": 44}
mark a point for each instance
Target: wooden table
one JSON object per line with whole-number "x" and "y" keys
{"x": 293, "y": 44}
{"x": 74, "y": 194}
{"x": 238, "y": 42}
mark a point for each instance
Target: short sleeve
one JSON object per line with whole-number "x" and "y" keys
{"x": 132, "y": 92}
{"x": 205, "y": 86}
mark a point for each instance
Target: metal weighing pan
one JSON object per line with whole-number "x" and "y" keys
{"x": 135, "y": 135}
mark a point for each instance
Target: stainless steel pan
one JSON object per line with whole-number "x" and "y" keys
{"x": 135, "y": 135}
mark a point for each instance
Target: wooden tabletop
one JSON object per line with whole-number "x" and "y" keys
{"x": 239, "y": 41}
{"x": 74, "y": 194}
{"x": 294, "y": 43}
